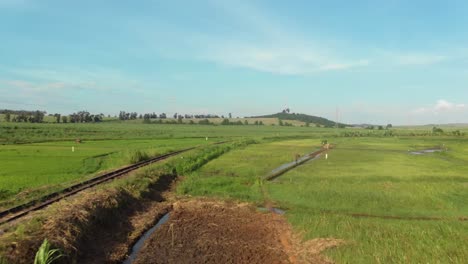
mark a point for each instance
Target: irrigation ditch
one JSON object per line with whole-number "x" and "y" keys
{"x": 289, "y": 166}
{"x": 97, "y": 220}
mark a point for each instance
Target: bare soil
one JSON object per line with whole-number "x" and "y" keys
{"x": 206, "y": 231}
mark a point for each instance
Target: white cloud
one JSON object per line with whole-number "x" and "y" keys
{"x": 31, "y": 87}
{"x": 419, "y": 59}
{"x": 445, "y": 106}
{"x": 42, "y": 78}
{"x": 441, "y": 107}
{"x": 279, "y": 60}
{"x": 412, "y": 57}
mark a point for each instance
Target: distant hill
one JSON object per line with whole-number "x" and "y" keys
{"x": 303, "y": 118}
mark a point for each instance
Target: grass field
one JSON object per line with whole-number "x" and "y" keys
{"x": 372, "y": 176}
{"x": 13, "y": 133}
{"x": 29, "y": 170}
{"x": 37, "y": 158}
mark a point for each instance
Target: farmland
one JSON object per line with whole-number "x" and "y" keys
{"x": 38, "y": 158}
{"x": 387, "y": 204}
{"x": 30, "y": 170}
{"x": 368, "y": 192}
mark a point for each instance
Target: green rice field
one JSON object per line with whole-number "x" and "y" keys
{"x": 389, "y": 205}
{"x": 373, "y": 193}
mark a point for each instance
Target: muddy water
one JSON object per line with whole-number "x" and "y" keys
{"x": 139, "y": 244}
{"x": 273, "y": 210}
{"x": 425, "y": 151}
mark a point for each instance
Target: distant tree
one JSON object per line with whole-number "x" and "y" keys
{"x": 260, "y": 123}
{"x": 230, "y": 115}
{"x": 86, "y": 117}
{"x": 57, "y": 118}
{"x": 175, "y": 116}
{"x": 121, "y": 115}
{"x": 191, "y": 122}
{"x": 389, "y": 126}
{"x": 163, "y": 116}
{"x": 225, "y": 122}
{"x": 7, "y": 117}
{"x": 437, "y": 130}
{"x": 37, "y": 117}
{"x": 380, "y": 127}
{"x": 147, "y": 118}
{"x": 307, "y": 124}
{"x": 64, "y": 119}
{"x": 246, "y": 122}
{"x": 280, "y": 123}
{"x": 97, "y": 118}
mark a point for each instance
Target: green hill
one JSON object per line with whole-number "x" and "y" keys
{"x": 303, "y": 118}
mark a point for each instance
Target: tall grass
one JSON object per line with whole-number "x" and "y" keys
{"x": 137, "y": 156}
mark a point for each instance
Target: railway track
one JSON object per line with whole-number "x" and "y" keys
{"x": 19, "y": 211}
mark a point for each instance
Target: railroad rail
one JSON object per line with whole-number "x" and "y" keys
{"x": 21, "y": 210}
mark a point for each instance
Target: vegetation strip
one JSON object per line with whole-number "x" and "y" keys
{"x": 24, "y": 209}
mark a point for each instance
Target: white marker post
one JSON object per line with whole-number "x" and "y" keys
{"x": 73, "y": 149}
{"x": 326, "y": 156}
{"x": 206, "y": 138}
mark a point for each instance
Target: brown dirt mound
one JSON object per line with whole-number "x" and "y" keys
{"x": 201, "y": 231}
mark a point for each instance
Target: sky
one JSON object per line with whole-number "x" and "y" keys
{"x": 389, "y": 61}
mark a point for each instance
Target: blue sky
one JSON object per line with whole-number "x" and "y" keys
{"x": 401, "y": 62}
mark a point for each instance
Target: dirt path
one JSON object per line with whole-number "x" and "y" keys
{"x": 206, "y": 231}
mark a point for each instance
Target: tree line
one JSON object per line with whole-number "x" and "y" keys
{"x": 123, "y": 115}
{"x": 23, "y": 116}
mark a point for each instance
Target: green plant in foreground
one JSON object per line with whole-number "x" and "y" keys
{"x": 3, "y": 261}
{"x": 45, "y": 255}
